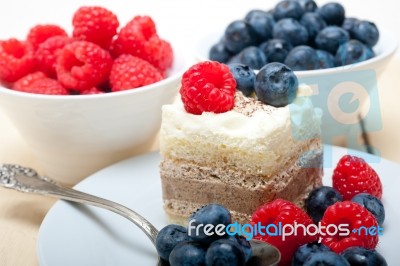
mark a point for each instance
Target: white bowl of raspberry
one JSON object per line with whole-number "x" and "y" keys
{"x": 82, "y": 102}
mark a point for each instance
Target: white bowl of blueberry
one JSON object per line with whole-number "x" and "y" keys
{"x": 325, "y": 49}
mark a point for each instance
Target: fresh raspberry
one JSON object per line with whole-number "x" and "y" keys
{"x": 95, "y": 24}
{"x": 92, "y": 90}
{"x": 355, "y": 216}
{"x": 16, "y": 59}
{"x": 81, "y": 65}
{"x": 133, "y": 36}
{"x": 38, "y": 83}
{"x": 129, "y": 72}
{"x": 353, "y": 175}
{"x": 208, "y": 87}
{"x": 280, "y": 213}
{"x": 46, "y": 54}
{"x": 159, "y": 53}
{"x": 40, "y": 33}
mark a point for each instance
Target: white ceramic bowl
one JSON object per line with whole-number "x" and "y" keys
{"x": 74, "y": 136}
{"x": 330, "y": 86}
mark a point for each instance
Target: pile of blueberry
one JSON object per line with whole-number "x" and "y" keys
{"x": 180, "y": 246}
{"x": 299, "y": 34}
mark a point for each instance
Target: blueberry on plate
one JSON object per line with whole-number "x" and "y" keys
{"x": 168, "y": 238}
{"x": 238, "y": 35}
{"x": 325, "y": 59}
{"x": 333, "y": 13}
{"x": 244, "y": 244}
{"x": 276, "y": 84}
{"x": 366, "y": 32}
{"x": 349, "y": 25}
{"x": 308, "y": 5}
{"x": 319, "y": 200}
{"x": 358, "y": 256}
{"x": 313, "y": 23}
{"x": 225, "y": 252}
{"x": 245, "y": 78}
{"x": 213, "y": 214}
{"x": 371, "y": 203}
{"x": 288, "y": 9}
{"x": 304, "y": 251}
{"x": 326, "y": 258}
{"x": 218, "y": 52}
{"x": 188, "y": 253}
{"x": 251, "y": 56}
{"x": 262, "y": 23}
{"x": 276, "y": 50}
{"x": 290, "y": 30}
{"x": 352, "y": 52}
{"x": 330, "y": 38}
{"x": 302, "y": 57}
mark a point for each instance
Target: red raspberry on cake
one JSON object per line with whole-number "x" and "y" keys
{"x": 16, "y": 59}
{"x": 95, "y": 24}
{"x": 129, "y": 72}
{"x": 355, "y": 216}
{"x": 81, "y": 65}
{"x": 47, "y": 52}
{"x": 353, "y": 175}
{"x": 40, "y": 33}
{"x": 39, "y": 83}
{"x": 208, "y": 87}
{"x": 286, "y": 213}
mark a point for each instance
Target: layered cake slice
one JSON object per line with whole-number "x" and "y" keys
{"x": 219, "y": 146}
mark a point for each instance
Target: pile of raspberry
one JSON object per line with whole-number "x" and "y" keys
{"x": 98, "y": 56}
{"x": 353, "y": 179}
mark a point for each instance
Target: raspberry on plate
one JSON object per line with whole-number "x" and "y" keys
{"x": 129, "y": 72}
{"x": 40, "y": 33}
{"x": 81, "y": 65}
{"x": 353, "y": 175}
{"x": 208, "y": 87}
{"x": 285, "y": 213}
{"x": 95, "y": 24}
{"x": 46, "y": 54}
{"x": 355, "y": 216}
{"x": 16, "y": 59}
{"x": 38, "y": 83}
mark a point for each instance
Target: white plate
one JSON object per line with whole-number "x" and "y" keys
{"x": 77, "y": 235}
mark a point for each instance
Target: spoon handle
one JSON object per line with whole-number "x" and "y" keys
{"x": 28, "y": 180}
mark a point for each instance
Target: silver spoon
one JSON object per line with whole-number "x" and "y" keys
{"x": 29, "y": 181}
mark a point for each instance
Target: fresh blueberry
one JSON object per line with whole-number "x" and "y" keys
{"x": 319, "y": 200}
{"x": 262, "y": 23}
{"x": 288, "y": 9}
{"x": 238, "y": 35}
{"x": 327, "y": 258}
{"x": 251, "y": 56}
{"x": 225, "y": 252}
{"x": 244, "y": 244}
{"x": 304, "y": 251}
{"x": 218, "y": 52}
{"x": 366, "y": 32}
{"x": 358, "y": 256}
{"x": 211, "y": 214}
{"x": 349, "y": 25}
{"x": 371, "y": 203}
{"x": 330, "y": 38}
{"x": 168, "y": 238}
{"x": 187, "y": 253}
{"x": 325, "y": 59}
{"x": 333, "y": 13}
{"x": 313, "y": 23}
{"x": 352, "y": 52}
{"x": 301, "y": 58}
{"x": 244, "y": 76}
{"x": 276, "y": 50}
{"x": 290, "y": 30}
{"x": 308, "y": 5}
{"x": 276, "y": 85}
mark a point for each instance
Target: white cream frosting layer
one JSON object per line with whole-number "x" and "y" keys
{"x": 264, "y": 138}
